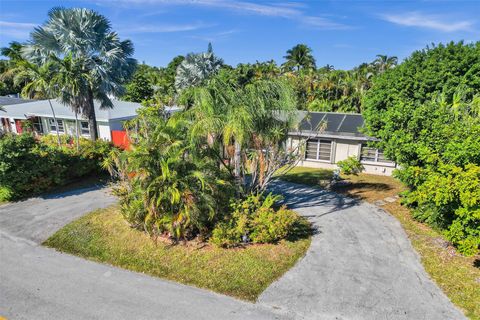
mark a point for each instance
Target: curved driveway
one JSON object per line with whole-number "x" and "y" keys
{"x": 360, "y": 266}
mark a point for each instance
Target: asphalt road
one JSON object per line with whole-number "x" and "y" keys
{"x": 360, "y": 266}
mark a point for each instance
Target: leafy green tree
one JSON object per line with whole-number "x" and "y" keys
{"x": 140, "y": 88}
{"x": 392, "y": 104}
{"x": 426, "y": 112}
{"x": 299, "y": 57}
{"x": 87, "y": 37}
{"x": 9, "y": 67}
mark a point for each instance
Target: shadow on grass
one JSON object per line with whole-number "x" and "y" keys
{"x": 309, "y": 178}
{"x": 302, "y": 229}
{"x": 356, "y": 189}
{"x": 476, "y": 263}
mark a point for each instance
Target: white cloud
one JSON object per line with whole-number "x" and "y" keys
{"x": 289, "y": 10}
{"x": 323, "y": 23}
{"x": 164, "y": 28}
{"x": 16, "y": 30}
{"x": 436, "y": 22}
{"x": 19, "y": 25}
{"x": 215, "y": 37}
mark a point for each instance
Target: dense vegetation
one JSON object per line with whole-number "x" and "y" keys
{"x": 426, "y": 113}
{"x": 185, "y": 176}
{"x": 316, "y": 89}
{"x": 29, "y": 166}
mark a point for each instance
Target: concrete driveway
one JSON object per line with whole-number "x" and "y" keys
{"x": 360, "y": 266}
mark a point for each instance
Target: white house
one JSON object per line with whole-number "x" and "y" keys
{"x": 332, "y": 137}
{"x": 39, "y": 113}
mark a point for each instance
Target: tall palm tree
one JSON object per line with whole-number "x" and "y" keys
{"x": 86, "y": 36}
{"x": 39, "y": 83}
{"x": 299, "y": 57}
{"x": 196, "y": 68}
{"x": 384, "y": 62}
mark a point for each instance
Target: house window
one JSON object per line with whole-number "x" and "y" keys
{"x": 51, "y": 122}
{"x": 37, "y": 124}
{"x": 318, "y": 149}
{"x": 373, "y": 155}
{"x": 84, "y": 128}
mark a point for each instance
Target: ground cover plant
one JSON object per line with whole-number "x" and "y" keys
{"x": 455, "y": 273}
{"x": 243, "y": 272}
{"x": 29, "y": 166}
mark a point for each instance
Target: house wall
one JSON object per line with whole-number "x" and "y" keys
{"x": 341, "y": 150}
{"x": 70, "y": 128}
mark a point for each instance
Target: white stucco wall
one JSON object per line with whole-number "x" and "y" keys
{"x": 342, "y": 149}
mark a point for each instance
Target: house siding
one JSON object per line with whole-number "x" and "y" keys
{"x": 341, "y": 150}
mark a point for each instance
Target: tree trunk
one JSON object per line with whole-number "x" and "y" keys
{"x": 237, "y": 163}
{"x": 92, "y": 120}
{"x": 76, "y": 127}
{"x": 56, "y": 123}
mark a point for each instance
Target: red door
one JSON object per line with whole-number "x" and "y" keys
{"x": 19, "y": 126}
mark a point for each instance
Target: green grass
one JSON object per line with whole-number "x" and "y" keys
{"x": 458, "y": 276}
{"x": 104, "y": 236}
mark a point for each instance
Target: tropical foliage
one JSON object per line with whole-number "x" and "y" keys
{"x": 167, "y": 187}
{"x": 52, "y": 164}
{"x": 253, "y": 219}
{"x": 103, "y": 61}
{"x": 351, "y": 165}
{"x": 196, "y": 68}
{"x": 426, "y": 113}
{"x": 177, "y": 178}
{"x": 299, "y": 58}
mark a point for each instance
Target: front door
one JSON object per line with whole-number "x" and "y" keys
{"x": 19, "y": 126}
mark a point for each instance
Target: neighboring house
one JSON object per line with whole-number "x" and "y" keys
{"x": 332, "y": 137}
{"x": 109, "y": 121}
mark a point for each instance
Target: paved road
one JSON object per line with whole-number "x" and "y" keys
{"x": 360, "y": 266}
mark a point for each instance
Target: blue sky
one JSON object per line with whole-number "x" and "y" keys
{"x": 342, "y": 33}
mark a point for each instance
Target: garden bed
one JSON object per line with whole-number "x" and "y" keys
{"x": 244, "y": 272}
{"x": 457, "y": 275}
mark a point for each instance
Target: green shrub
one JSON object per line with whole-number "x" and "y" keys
{"x": 254, "y": 219}
{"x": 351, "y": 165}
{"x": 29, "y": 167}
{"x": 268, "y": 226}
{"x": 5, "y": 194}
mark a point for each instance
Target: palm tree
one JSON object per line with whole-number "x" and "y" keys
{"x": 252, "y": 120}
{"x": 10, "y": 66}
{"x": 196, "y": 68}
{"x": 87, "y": 36}
{"x": 299, "y": 57}
{"x": 165, "y": 185}
{"x": 383, "y": 63}
{"x": 39, "y": 83}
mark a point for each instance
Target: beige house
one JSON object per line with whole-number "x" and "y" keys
{"x": 332, "y": 137}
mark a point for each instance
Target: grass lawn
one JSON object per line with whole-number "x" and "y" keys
{"x": 458, "y": 276}
{"x": 244, "y": 273}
